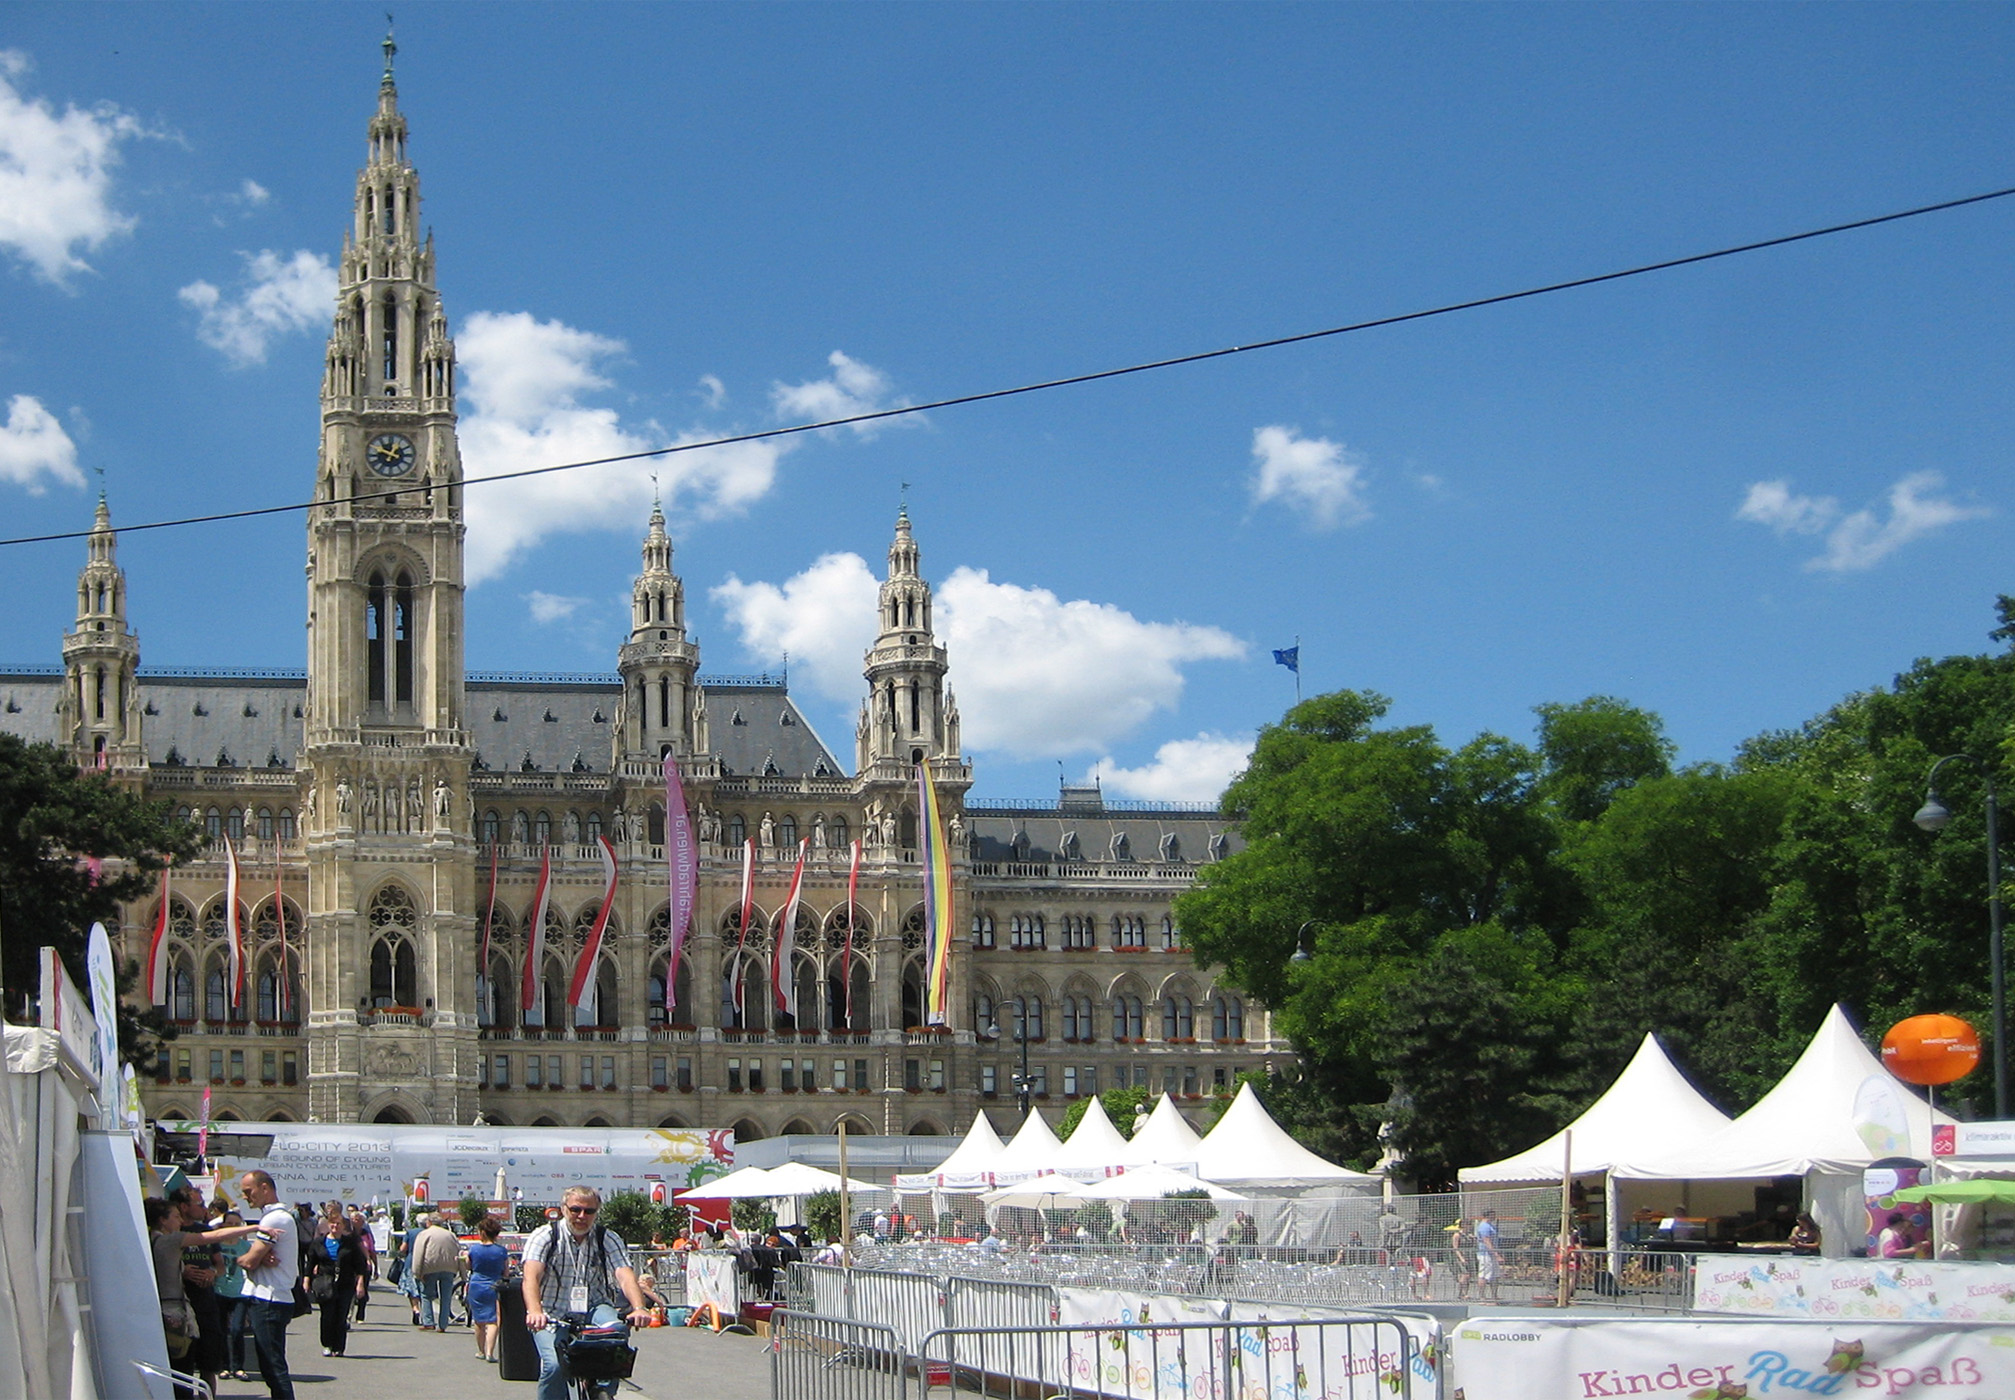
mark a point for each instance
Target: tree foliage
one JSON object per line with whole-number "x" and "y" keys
{"x": 74, "y": 847}
{"x": 1490, "y": 930}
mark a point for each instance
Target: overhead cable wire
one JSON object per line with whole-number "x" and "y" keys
{"x": 1091, "y": 377}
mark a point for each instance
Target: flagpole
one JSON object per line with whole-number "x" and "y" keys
{"x": 1297, "y": 668}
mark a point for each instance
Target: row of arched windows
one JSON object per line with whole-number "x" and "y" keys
{"x": 1077, "y": 930}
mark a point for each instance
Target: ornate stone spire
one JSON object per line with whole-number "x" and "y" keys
{"x": 101, "y": 701}
{"x": 909, "y": 711}
{"x": 661, "y": 708}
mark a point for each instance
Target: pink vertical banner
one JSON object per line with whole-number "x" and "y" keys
{"x": 682, "y": 857}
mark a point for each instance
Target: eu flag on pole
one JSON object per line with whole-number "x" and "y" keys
{"x": 1289, "y": 657}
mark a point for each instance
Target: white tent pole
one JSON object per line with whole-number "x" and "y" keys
{"x": 1566, "y": 1286}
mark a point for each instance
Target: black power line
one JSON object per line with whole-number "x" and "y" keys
{"x": 1088, "y": 378}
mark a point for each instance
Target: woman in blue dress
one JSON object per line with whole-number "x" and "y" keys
{"x": 487, "y": 1262}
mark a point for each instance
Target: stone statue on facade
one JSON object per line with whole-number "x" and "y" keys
{"x": 521, "y": 829}
{"x": 819, "y": 832}
{"x": 570, "y": 829}
{"x": 342, "y": 797}
{"x": 619, "y": 826}
{"x": 416, "y": 807}
{"x": 441, "y": 799}
{"x": 769, "y": 833}
{"x": 370, "y": 805}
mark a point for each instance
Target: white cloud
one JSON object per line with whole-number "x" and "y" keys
{"x": 713, "y": 393}
{"x": 277, "y": 296}
{"x": 1316, "y": 475}
{"x": 824, "y": 618}
{"x": 253, "y": 194}
{"x": 552, "y": 607}
{"x": 1184, "y": 770}
{"x": 1864, "y": 538}
{"x": 1772, "y": 503}
{"x": 853, "y": 388}
{"x": 33, "y": 446}
{"x": 1035, "y": 676}
{"x": 522, "y": 383}
{"x": 56, "y": 176}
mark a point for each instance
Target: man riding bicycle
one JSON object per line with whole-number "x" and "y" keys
{"x": 579, "y": 1271}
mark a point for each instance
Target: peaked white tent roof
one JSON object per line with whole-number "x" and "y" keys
{"x": 1095, "y": 1148}
{"x": 969, "y": 1168}
{"x": 1151, "y": 1183}
{"x": 1650, "y": 1110}
{"x": 1166, "y": 1138}
{"x": 1030, "y": 1153}
{"x": 1247, "y": 1148}
{"x": 1837, "y": 1110}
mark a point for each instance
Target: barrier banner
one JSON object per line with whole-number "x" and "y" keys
{"x": 1519, "y": 1357}
{"x": 710, "y": 1278}
{"x": 1880, "y": 1290}
{"x": 1143, "y": 1355}
{"x": 1423, "y": 1332}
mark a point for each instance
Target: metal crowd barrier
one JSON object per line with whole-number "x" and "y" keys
{"x": 829, "y": 1358}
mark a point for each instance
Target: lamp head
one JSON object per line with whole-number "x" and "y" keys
{"x": 1933, "y": 815}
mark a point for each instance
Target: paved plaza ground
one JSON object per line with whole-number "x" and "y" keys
{"x": 390, "y": 1359}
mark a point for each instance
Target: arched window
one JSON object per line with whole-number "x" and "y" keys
{"x": 213, "y": 824}
{"x": 492, "y": 827}
{"x": 983, "y": 1013}
{"x": 836, "y": 832}
{"x": 738, "y": 831}
{"x": 287, "y": 828}
{"x": 682, "y": 988}
{"x": 265, "y": 823}
{"x": 1031, "y": 1017}
{"x": 181, "y": 990}
{"x": 234, "y": 824}
{"x": 745, "y": 992}
{"x": 1070, "y": 1018}
{"x": 542, "y": 828}
{"x": 594, "y": 827}
{"x": 1126, "y": 1018}
{"x": 913, "y": 993}
{"x": 1178, "y": 1017}
{"x": 394, "y": 966}
{"x": 553, "y": 995}
{"x": 498, "y": 1007}
{"x": 1227, "y": 1018}
{"x": 806, "y": 973}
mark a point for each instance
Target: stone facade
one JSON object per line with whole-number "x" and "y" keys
{"x": 399, "y": 811}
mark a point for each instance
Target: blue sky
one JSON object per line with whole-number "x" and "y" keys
{"x": 1732, "y": 493}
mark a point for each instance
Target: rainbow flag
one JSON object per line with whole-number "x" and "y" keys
{"x": 937, "y": 899}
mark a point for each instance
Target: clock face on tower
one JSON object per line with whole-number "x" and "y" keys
{"x": 390, "y": 454}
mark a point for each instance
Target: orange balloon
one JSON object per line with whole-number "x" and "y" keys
{"x": 1934, "y": 1049}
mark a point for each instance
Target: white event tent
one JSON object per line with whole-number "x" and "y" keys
{"x": 1833, "y": 1115}
{"x": 1166, "y": 1139}
{"x": 967, "y": 1170}
{"x": 1095, "y": 1148}
{"x": 1250, "y": 1152}
{"x": 1029, "y": 1154}
{"x": 1650, "y": 1110}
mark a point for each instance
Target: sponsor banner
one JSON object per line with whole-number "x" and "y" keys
{"x": 364, "y": 1162}
{"x": 1518, "y": 1358}
{"x": 1973, "y": 1140}
{"x": 1879, "y": 1290}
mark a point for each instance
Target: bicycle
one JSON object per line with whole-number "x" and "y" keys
{"x": 598, "y": 1359}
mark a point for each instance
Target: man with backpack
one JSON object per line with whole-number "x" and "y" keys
{"x": 578, "y": 1269}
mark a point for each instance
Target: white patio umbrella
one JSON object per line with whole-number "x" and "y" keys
{"x": 737, "y": 1185}
{"x": 801, "y": 1179}
{"x": 1039, "y": 1194}
{"x": 1151, "y": 1183}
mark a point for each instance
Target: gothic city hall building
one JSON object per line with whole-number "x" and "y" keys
{"x": 390, "y": 813}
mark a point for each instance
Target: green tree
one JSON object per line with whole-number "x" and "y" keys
{"x": 472, "y": 1209}
{"x": 632, "y": 1215}
{"x": 822, "y": 1214}
{"x": 53, "y": 819}
{"x": 1594, "y": 750}
{"x": 1120, "y": 1106}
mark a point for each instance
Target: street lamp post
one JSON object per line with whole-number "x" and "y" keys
{"x": 1933, "y": 816}
{"x": 1022, "y": 1082}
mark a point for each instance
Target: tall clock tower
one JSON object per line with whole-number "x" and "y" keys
{"x": 387, "y": 753}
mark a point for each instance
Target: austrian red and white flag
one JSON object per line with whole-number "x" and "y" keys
{"x": 157, "y": 952}
{"x": 234, "y": 929}
{"x": 748, "y": 907}
{"x": 784, "y": 981}
{"x": 583, "y": 987}
{"x": 535, "y": 934}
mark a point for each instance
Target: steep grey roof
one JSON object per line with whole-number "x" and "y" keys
{"x": 1200, "y": 833}
{"x": 249, "y": 718}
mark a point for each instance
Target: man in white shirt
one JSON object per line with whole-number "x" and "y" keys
{"x": 272, "y": 1264}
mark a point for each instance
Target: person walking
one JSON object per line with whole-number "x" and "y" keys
{"x": 336, "y": 1279}
{"x": 1488, "y": 1261}
{"x": 487, "y": 1262}
{"x": 437, "y": 1258}
{"x": 271, "y": 1264}
{"x": 577, "y": 1268}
